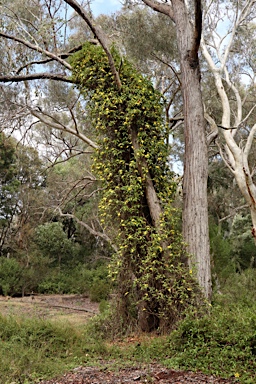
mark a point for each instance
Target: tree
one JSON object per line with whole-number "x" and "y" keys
{"x": 188, "y": 23}
{"x": 196, "y": 231}
{"x": 230, "y": 56}
{"x": 20, "y": 180}
{"x": 131, "y": 161}
{"x": 9, "y": 186}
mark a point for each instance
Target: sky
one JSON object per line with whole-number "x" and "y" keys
{"x": 105, "y": 6}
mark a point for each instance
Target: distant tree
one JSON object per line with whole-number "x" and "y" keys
{"x": 9, "y": 186}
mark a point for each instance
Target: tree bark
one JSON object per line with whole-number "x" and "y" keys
{"x": 195, "y": 204}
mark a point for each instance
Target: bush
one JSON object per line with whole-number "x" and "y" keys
{"x": 222, "y": 343}
{"x": 99, "y": 290}
{"x": 80, "y": 280}
{"x": 10, "y": 277}
{"x": 35, "y": 349}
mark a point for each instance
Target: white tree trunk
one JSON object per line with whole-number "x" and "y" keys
{"x": 235, "y": 155}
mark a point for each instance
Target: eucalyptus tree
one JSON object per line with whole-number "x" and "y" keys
{"x": 187, "y": 17}
{"x": 149, "y": 166}
{"x": 228, "y": 46}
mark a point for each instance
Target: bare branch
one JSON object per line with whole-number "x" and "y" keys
{"x": 47, "y": 120}
{"x": 35, "y": 76}
{"x": 37, "y": 49}
{"x": 214, "y": 129}
{"x": 249, "y": 141}
{"x": 169, "y": 66}
{"x": 61, "y": 55}
{"x": 70, "y": 157}
{"x": 224, "y": 157}
{"x": 233, "y": 213}
{"x": 89, "y": 229}
{"x": 166, "y": 9}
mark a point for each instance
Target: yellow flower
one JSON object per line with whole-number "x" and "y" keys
{"x": 237, "y": 374}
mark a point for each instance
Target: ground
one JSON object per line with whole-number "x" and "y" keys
{"x": 77, "y": 309}
{"x": 152, "y": 373}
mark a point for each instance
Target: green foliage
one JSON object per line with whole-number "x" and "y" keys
{"x": 221, "y": 343}
{"x": 53, "y": 242}
{"x": 222, "y": 254}
{"x": 100, "y": 287}
{"x": 8, "y": 181}
{"x": 80, "y": 279}
{"x": 7, "y": 159}
{"x": 244, "y": 250}
{"x": 239, "y": 289}
{"x": 232, "y": 250}
{"x": 33, "y": 349}
{"x": 132, "y": 149}
{"x": 10, "y": 276}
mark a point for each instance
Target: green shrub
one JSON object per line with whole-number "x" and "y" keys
{"x": 79, "y": 280}
{"x": 10, "y": 276}
{"x": 238, "y": 290}
{"x": 99, "y": 290}
{"x": 221, "y": 343}
{"x": 34, "y": 349}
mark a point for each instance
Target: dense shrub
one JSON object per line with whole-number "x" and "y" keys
{"x": 224, "y": 341}
{"x": 10, "y": 276}
{"x": 80, "y": 280}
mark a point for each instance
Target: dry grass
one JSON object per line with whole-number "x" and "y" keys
{"x": 67, "y": 308}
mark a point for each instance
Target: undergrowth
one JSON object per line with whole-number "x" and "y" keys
{"x": 32, "y": 349}
{"x": 222, "y": 343}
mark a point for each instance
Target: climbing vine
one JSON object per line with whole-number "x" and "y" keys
{"x": 131, "y": 161}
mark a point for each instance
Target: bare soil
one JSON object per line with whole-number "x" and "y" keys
{"x": 153, "y": 373}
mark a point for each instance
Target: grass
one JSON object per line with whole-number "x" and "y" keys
{"x": 31, "y": 349}
{"x": 222, "y": 343}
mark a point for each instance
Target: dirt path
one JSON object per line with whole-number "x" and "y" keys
{"x": 153, "y": 373}
{"x": 75, "y": 309}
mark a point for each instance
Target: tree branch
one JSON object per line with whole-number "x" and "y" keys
{"x": 249, "y": 141}
{"x": 166, "y": 9}
{"x": 98, "y": 32}
{"x": 233, "y": 213}
{"x": 168, "y": 65}
{"x": 89, "y": 229}
{"x": 34, "y": 76}
{"x": 46, "y": 119}
{"x": 63, "y": 55}
{"x": 37, "y": 49}
{"x": 214, "y": 128}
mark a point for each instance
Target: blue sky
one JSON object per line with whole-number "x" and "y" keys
{"x": 105, "y": 6}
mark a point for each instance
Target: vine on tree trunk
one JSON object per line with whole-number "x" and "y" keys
{"x": 154, "y": 286}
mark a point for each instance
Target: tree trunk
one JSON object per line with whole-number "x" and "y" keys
{"x": 195, "y": 205}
